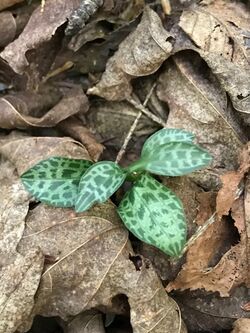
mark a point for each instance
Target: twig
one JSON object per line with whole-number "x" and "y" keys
{"x": 42, "y": 5}
{"x": 200, "y": 231}
{"x": 144, "y": 110}
{"x": 133, "y": 127}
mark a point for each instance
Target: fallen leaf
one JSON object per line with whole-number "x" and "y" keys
{"x": 219, "y": 31}
{"x": 76, "y": 129}
{"x": 208, "y": 312}
{"x": 232, "y": 269}
{"x": 87, "y": 322}
{"x": 27, "y": 110}
{"x": 198, "y": 103}
{"x": 140, "y": 54}
{"x": 19, "y": 282}
{"x": 40, "y": 28}
{"x": 241, "y": 325}
{"x": 230, "y": 184}
{"x": 8, "y": 3}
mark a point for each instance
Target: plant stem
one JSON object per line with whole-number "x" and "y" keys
{"x": 133, "y": 126}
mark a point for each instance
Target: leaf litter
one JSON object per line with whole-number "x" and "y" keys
{"x": 65, "y": 264}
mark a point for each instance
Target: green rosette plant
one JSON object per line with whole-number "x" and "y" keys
{"x": 150, "y": 210}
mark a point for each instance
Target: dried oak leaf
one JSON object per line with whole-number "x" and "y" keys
{"x": 233, "y": 267}
{"x": 241, "y": 325}
{"x": 140, "y": 54}
{"x": 198, "y": 103}
{"x": 26, "y": 109}
{"x": 220, "y": 32}
{"x": 19, "y": 283}
{"x": 40, "y": 28}
{"x": 231, "y": 182}
{"x": 91, "y": 252}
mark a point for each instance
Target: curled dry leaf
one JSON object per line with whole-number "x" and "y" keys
{"x": 27, "y": 109}
{"x": 140, "y": 54}
{"x": 75, "y": 128}
{"x": 198, "y": 103}
{"x": 87, "y": 322}
{"x": 19, "y": 283}
{"x": 233, "y": 267}
{"x": 40, "y": 28}
{"x": 220, "y": 31}
{"x": 7, "y": 35}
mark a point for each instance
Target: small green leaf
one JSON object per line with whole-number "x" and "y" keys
{"x": 173, "y": 159}
{"x": 98, "y": 184}
{"x": 55, "y": 181}
{"x": 155, "y": 215}
{"x": 166, "y": 135}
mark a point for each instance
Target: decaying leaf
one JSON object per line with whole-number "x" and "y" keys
{"x": 198, "y": 103}
{"x": 233, "y": 267}
{"x": 27, "y": 109}
{"x": 220, "y": 30}
{"x": 140, "y": 54}
{"x": 19, "y": 283}
{"x": 75, "y": 128}
{"x": 40, "y": 28}
{"x": 231, "y": 184}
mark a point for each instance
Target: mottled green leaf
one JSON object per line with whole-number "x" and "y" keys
{"x": 166, "y": 135}
{"x": 98, "y": 184}
{"x": 173, "y": 159}
{"x": 55, "y": 181}
{"x": 155, "y": 215}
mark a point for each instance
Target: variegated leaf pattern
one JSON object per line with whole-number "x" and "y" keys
{"x": 98, "y": 184}
{"x": 155, "y": 215}
{"x": 173, "y": 159}
{"x": 164, "y": 136}
{"x": 55, "y": 181}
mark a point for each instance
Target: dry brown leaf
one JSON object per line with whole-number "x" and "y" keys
{"x": 75, "y": 128}
{"x": 247, "y": 221}
{"x": 241, "y": 325}
{"x": 230, "y": 184}
{"x": 140, "y": 54}
{"x": 197, "y": 103}
{"x": 8, "y": 3}
{"x": 40, "y": 28}
{"x": 88, "y": 322}
{"x": 233, "y": 268}
{"x": 220, "y": 31}
{"x": 19, "y": 283}
{"x": 27, "y": 109}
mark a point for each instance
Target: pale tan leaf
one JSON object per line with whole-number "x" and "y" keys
{"x": 241, "y": 325}
{"x": 220, "y": 31}
{"x": 140, "y": 54}
{"x": 19, "y": 283}
{"x": 8, "y": 3}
